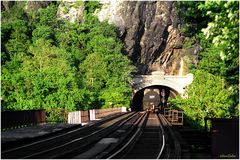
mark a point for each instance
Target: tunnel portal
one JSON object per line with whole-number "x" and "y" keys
{"x": 147, "y": 97}
{"x": 157, "y": 80}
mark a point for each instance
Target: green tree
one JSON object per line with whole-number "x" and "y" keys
{"x": 208, "y": 96}
{"x": 51, "y": 63}
{"x": 223, "y": 33}
{"x": 192, "y": 18}
{"x": 91, "y": 6}
{"x": 43, "y": 16}
{"x": 218, "y": 35}
{"x": 107, "y": 71}
{"x": 71, "y": 37}
{"x": 95, "y": 70}
{"x": 18, "y": 41}
{"x": 44, "y": 32}
{"x": 219, "y": 32}
{"x": 44, "y": 80}
{"x": 118, "y": 90}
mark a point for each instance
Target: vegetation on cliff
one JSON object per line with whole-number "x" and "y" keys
{"x": 52, "y": 63}
{"x": 214, "y": 91}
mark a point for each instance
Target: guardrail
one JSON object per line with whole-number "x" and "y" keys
{"x": 175, "y": 117}
{"x": 15, "y": 119}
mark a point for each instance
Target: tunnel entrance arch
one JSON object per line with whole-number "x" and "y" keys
{"x": 175, "y": 85}
{"x": 137, "y": 100}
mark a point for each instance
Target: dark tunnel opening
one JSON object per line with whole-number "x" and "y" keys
{"x": 137, "y": 101}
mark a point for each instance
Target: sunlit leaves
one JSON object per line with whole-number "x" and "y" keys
{"x": 105, "y": 70}
{"x": 219, "y": 39}
{"x": 44, "y": 32}
{"x": 44, "y": 80}
{"x": 223, "y": 30}
{"x": 208, "y": 96}
{"x": 94, "y": 70}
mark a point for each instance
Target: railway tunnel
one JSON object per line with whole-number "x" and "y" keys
{"x": 159, "y": 82}
{"x": 145, "y": 94}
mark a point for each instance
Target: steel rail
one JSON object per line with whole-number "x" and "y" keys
{"x": 10, "y": 152}
{"x": 57, "y": 136}
{"x": 130, "y": 144}
{"x": 172, "y": 141}
{"x": 163, "y": 139}
{"x": 120, "y": 133}
{"x": 49, "y": 153}
{"x": 141, "y": 121}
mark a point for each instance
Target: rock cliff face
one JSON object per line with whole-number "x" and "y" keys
{"x": 150, "y": 32}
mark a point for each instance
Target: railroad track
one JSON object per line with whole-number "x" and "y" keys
{"x": 146, "y": 143}
{"x": 155, "y": 138}
{"x": 67, "y": 143}
{"x": 172, "y": 148}
{"x": 136, "y": 135}
{"x": 104, "y": 148}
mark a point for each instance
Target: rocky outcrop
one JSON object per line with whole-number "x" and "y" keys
{"x": 150, "y": 32}
{"x": 71, "y": 10}
{"x": 35, "y": 5}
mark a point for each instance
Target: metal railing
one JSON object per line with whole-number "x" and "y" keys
{"x": 175, "y": 117}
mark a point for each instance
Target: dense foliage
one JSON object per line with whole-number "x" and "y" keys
{"x": 208, "y": 96}
{"x": 52, "y": 63}
{"x": 214, "y": 91}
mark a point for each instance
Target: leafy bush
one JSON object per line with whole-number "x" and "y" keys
{"x": 215, "y": 26}
{"x": 208, "y": 97}
{"x": 56, "y": 115}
